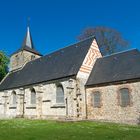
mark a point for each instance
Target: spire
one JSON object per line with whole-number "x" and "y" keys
{"x": 28, "y": 44}
{"x": 28, "y": 40}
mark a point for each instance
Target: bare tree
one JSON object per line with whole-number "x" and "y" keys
{"x": 109, "y": 40}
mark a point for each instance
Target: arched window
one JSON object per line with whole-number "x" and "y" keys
{"x": 124, "y": 97}
{"x": 96, "y": 98}
{"x": 59, "y": 94}
{"x": 33, "y": 96}
{"x": 14, "y": 98}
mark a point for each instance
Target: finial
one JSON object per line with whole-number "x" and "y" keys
{"x": 28, "y": 22}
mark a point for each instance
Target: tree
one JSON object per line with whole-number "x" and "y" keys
{"x": 109, "y": 40}
{"x": 4, "y": 60}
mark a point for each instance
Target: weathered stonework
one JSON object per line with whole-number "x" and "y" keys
{"x": 45, "y": 107}
{"x": 110, "y": 109}
{"x": 19, "y": 59}
{"x": 74, "y": 106}
{"x": 77, "y": 103}
{"x": 83, "y": 75}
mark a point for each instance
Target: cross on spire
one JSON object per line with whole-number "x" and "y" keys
{"x": 28, "y": 22}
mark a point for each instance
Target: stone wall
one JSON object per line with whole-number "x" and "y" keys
{"x": 110, "y": 109}
{"x": 45, "y": 107}
{"x": 74, "y": 106}
{"x": 83, "y": 75}
{"x": 19, "y": 59}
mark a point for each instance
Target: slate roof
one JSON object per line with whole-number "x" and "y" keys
{"x": 28, "y": 44}
{"x": 26, "y": 48}
{"x": 60, "y": 64}
{"x": 115, "y": 68}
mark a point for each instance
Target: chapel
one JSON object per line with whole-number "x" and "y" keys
{"x": 73, "y": 83}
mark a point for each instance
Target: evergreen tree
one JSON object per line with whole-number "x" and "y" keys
{"x": 4, "y": 61}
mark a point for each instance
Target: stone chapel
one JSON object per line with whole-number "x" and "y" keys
{"x": 72, "y": 83}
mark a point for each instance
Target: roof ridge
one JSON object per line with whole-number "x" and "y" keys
{"x": 71, "y": 44}
{"x": 59, "y": 64}
{"x": 47, "y": 55}
{"x": 115, "y": 68}
{"x": 121, "y": 52}
{"x": 63, "y": 48}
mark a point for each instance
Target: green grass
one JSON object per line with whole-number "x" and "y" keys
{"x": 21, "y": 129}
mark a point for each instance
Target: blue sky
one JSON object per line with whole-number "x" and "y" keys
{"x": 56, "y": 23}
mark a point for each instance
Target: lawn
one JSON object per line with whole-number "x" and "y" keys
{"x": 21, "y": 129}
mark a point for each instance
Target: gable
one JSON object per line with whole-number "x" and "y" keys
{"x": 90, "y": 59}
{"x": 60, "y": 64}
{"x": 115, "y": 68}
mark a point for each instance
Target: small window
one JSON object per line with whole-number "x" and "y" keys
{"x": 96, "y": 99}
{"x": 17, "y": 59}
{"x": 124, "y": 97}
{"x": 14, "y": 98}
{"x": 32, "y": 57}
{"x": 33, "y": 96}
{"x": 59, "y": 94}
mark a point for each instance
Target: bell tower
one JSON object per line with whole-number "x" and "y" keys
{"x": 24, "y": 54}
